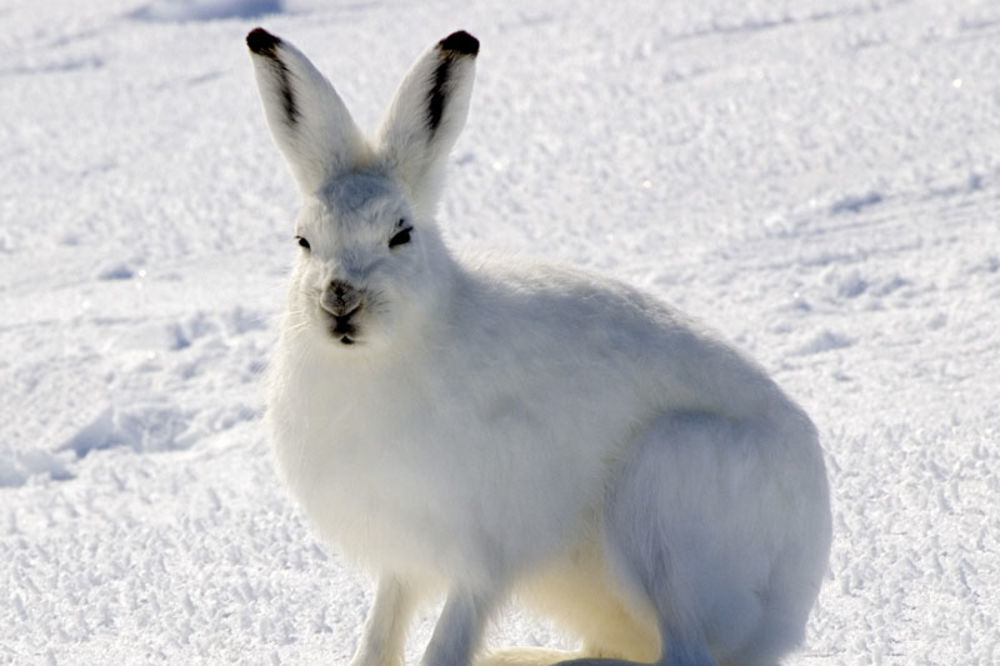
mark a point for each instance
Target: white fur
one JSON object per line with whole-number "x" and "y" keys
{"x": 500, "y": 427}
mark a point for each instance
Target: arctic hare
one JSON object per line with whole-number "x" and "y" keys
{"x": 490, "y": 428}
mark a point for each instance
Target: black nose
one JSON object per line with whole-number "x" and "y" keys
{"x": 340, "y": 298}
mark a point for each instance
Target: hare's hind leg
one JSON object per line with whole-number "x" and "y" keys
{"x": 691, "y": 527}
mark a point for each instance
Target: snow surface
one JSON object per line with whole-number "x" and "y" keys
{"x": 818, "y": 179}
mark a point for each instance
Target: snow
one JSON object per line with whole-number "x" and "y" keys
{"x": 818, "y": 180}
{"x": 204, "y": 10}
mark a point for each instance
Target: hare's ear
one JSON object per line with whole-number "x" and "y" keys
{"x": 426, "y": 116}
{"x": 308, "y": 120}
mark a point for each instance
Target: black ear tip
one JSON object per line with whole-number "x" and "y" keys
{"x": 460, "y": 42}
{"x": 261, "y": 41}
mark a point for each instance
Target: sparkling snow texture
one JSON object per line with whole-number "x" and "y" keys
{"x": 819, "y": 180}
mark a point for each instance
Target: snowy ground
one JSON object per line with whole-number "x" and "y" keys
{"x": 817, "y": 179}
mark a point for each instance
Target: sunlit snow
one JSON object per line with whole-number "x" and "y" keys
{"x": 819, "y": 180}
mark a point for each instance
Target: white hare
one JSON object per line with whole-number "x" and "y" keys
{"x": 490, "y": 428}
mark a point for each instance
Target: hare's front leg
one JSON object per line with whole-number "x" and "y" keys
{"x": 459, "y": 629}
{"x": 384, "y": 634}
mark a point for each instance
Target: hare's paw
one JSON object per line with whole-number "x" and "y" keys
{"x": 524, "y": 656}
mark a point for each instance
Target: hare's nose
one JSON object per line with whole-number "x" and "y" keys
{"x": 340, "y": 298}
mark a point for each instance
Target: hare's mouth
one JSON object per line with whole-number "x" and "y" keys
{"x": 343, "y": 327}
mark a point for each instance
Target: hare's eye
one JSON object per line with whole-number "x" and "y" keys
{"x": 402, "y": 237}
{"x": 303, "y": 242}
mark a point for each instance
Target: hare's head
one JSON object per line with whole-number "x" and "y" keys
{"x": 372, "y": 268}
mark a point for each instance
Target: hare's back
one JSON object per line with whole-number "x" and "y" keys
{"x": 560, "y": 328}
